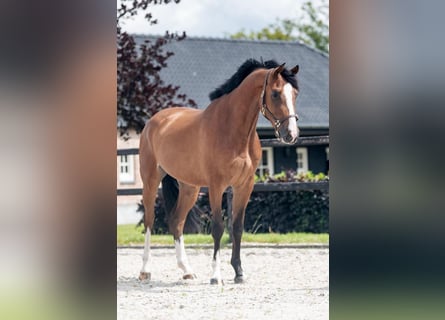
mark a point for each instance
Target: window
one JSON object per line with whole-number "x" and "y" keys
{"x": 266, "y": 164}
{"x": 126, "y": 169}
{"x": 302, "y": 162}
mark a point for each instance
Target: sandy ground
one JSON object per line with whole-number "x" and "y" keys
{"x": 281, "y": 283}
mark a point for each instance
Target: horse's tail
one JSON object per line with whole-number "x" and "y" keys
{"x": 170, "y": 192}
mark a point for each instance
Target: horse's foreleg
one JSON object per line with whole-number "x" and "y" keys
{"x": 186, "y": 199}
{"x": 215, "y": 196}
{"x": 241, "y": 195}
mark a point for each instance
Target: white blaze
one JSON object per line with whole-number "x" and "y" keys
{"x": 292, "y": 122}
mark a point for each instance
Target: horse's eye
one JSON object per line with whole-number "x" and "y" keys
{"x": 275, "y": 94}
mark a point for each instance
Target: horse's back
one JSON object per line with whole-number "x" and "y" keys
{"x": 168, "y": 117}
{"x": 169, "y": 113}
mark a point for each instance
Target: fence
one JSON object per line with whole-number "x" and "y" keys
{"x": 258, "y": 187}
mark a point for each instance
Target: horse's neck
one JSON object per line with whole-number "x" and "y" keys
{"x": 240, "y": 110}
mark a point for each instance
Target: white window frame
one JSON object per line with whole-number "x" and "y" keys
{"x": 269, "y": 164}
{"x": 303, "y": 161}
{"x": 126, "y": 168}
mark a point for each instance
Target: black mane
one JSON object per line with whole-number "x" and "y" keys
{"x": 244, "y": 70}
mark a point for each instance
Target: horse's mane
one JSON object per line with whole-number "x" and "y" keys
{"x": 244, "y": 70}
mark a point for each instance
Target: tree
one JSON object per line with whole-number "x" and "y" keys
{"x": 281, "y": 30}
{"x": 311, "y": 28}
{"x": 315, "y": 33}
{"x": 140, "y": 90}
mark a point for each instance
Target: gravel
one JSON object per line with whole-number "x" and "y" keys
{"x": 280, "y": 282}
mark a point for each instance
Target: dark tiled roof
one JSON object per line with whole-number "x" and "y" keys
{"x": 199, "y": 65}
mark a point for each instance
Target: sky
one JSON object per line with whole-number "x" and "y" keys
{"x": 215, "y": 18}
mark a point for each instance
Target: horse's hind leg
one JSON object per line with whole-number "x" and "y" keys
{"x": 151, "y": 177}
{"x": 186, "y": 199}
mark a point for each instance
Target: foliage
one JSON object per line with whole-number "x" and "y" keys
{"x": 292, "y": 176}
{"x": 281, "y": 30}
{"x": 303, "y": 211}
{"x": 287, "y": 211}
{"x": 140, "y": 91}
{"x": 130, "y": 8}
{"x": 315, "y": 33}
{"x": 310, "y": 28}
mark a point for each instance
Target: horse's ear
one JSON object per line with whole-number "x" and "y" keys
{"x": 295, "y": 69}
{"x": 278, "y": 70}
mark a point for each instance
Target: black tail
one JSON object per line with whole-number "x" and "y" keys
{"x": 170, "y": 191}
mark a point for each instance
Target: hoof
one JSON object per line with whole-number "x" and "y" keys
{"x": 189, "y": 276}
{"x": 216, "y": 281}
{"x": 145, "y": 276}
{"x": 239, "y": 279}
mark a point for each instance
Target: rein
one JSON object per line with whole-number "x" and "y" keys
{"x": 277, "y": 123}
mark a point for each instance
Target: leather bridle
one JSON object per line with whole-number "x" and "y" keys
{"x": 276, "y": 123}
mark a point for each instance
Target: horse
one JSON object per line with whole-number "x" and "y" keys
{"x": 217, "y": 147}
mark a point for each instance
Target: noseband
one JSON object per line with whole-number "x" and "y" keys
{"x": 276, "y": 123}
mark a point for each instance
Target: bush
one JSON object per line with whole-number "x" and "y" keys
{"x": 303, "y": 211}
{"x": 278, "y": 211}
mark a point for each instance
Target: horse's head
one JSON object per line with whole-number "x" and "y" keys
{"x": 278, "y": 102}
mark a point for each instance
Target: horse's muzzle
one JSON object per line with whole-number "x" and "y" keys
{"x": 286, "y": 136}
{"x": 289, "y": 139}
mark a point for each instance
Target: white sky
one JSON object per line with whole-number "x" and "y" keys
{"x": 215, "y": 18}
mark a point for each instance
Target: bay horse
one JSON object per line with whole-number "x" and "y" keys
{"x": 216, "y": 147}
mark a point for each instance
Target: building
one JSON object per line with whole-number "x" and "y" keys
{"x": 199, "y": 65}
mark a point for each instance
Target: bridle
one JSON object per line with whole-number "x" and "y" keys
{"x": 276, "y": 123}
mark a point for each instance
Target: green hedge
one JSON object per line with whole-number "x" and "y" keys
{"x": 289, "y": 211}
{"x": 277, "y": 211}
{"x": 286, "y": 211}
